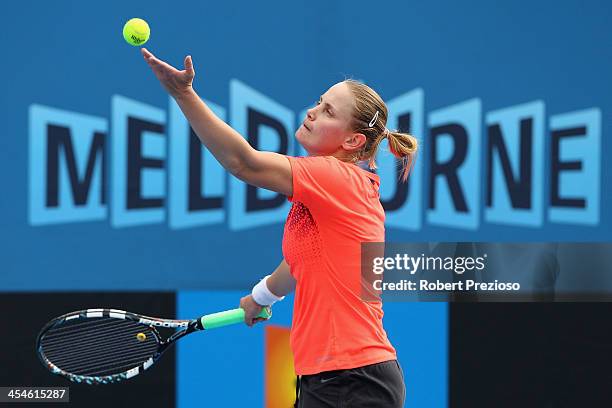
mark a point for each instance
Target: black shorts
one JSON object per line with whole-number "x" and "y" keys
{"x": 375, "y": 385}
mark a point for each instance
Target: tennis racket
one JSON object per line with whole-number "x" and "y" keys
{"x": 102, "y": 346}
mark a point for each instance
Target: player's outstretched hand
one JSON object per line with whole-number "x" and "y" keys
{"x": 251, "y": 310}
{"x": 176, "y": 82}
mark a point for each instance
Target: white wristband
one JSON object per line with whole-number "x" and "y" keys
{"x": 262, "y": 295}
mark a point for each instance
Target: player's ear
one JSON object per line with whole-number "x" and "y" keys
{"x": 354, "y": 142}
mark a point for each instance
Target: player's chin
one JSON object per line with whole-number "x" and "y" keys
{"x": 301, "y": 134}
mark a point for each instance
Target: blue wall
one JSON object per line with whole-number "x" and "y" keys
{"x": 226, "y": 367}
{"x": 71, "y": 68}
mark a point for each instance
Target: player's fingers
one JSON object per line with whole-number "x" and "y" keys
{"x": 251, "y": 319}
{"x": 154, "y": 61}
{"x": 248, "y": 319}
{"x": 189, "y": 65}
{"x": 166, "y": 66}
{"x": 146, "y": 53}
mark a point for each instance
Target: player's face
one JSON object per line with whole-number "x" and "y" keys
{"x": 327, "y": 124}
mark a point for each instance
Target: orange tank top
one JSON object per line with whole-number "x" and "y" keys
{"x": 336, "y": 207}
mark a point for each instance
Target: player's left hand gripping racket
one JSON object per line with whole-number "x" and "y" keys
{"x": 102, "y": 346}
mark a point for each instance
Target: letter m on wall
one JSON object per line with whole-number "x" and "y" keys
{"x": 66, "y": 178}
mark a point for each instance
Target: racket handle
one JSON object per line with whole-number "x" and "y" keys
{"x": 220, "y": 319}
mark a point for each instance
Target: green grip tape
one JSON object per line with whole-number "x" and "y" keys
{"x": 220, "y": 319}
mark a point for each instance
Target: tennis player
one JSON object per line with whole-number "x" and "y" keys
{"x": 343, "y": 357}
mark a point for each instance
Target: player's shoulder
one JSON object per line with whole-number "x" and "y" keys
{"x": 323, "y": 161}
{"x": 333, "y": 169}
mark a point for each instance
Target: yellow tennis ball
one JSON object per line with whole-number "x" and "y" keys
{"x": 141, "y": 337}
{"x": 136, "y": 31}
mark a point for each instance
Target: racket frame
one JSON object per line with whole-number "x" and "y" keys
{"x": 185, "y": 327}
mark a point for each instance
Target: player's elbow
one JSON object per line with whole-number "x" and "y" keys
{"x": 265, "y": 170}
{"x": 237, "y": 170}
{"x": 242, "y": 171}
{"x": 247, "y": 167}
{"x": 241, "y": 165}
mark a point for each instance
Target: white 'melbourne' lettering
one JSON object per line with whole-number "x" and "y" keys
{"x": 67, "y": 153}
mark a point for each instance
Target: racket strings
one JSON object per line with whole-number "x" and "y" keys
{"x": 85, "y": 364}
{"x": 111, "y": 366}
{"x": 90, "y": 325}
{"x": 103, "y": 346}
{"x": 78, "y": 323}
{"x": 74, "y": 338}
{"x": 115, "y": 369}
{"x": 81, "y": 332}
{"x": 92, "y": 346}
{"x": 104, "y": 330}
{"x": 60, "y": 357}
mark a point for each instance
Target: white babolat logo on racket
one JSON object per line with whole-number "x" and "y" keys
{"x": 163, "y": 323}
{"x": 131, "y": 373}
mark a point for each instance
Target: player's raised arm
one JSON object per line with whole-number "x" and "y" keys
{"x": 262, "y": 169}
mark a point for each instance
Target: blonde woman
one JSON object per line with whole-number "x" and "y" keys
{"x": 341, "y": 351}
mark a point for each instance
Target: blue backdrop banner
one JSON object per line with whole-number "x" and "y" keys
{"x": 105, "y": 186}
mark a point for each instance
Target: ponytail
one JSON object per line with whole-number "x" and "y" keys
{"x": 402, "y": 145}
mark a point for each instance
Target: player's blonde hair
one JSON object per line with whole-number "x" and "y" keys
{"x": 370, "y": 118}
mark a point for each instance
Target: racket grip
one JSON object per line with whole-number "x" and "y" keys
{"x": 234, "y": 316}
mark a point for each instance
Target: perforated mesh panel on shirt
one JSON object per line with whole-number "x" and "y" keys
{"x": 301, "y": 240}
